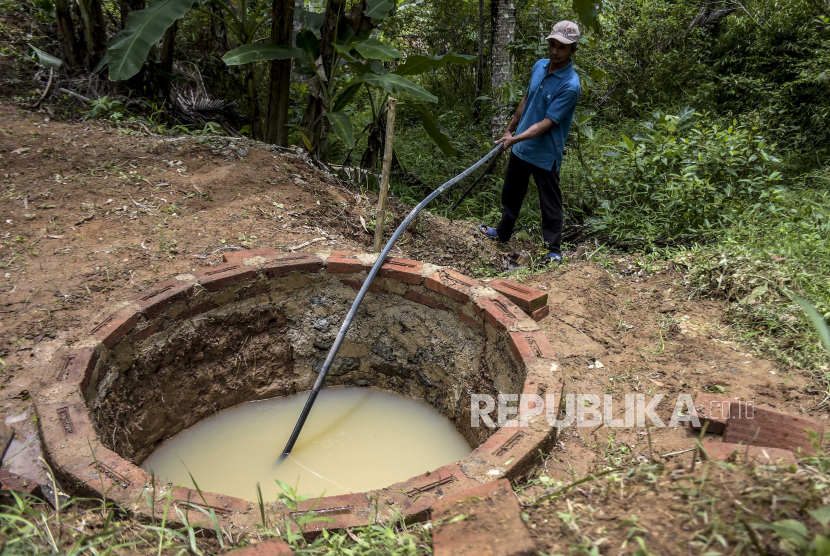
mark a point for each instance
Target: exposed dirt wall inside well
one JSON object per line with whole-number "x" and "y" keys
{"x": 274, "y": 343}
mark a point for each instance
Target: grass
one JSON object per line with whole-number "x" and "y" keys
{"x": 30, "y": 525}
{"x": 754, "y": 265}
{"x": 713, "y": 508}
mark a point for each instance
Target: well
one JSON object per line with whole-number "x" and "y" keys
{"x": 259, "y": 326}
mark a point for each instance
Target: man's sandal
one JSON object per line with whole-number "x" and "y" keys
{"x": 487, "y": 231}
{"x": 554, "y": 258}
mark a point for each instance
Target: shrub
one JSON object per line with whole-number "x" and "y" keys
{"x": 682, "y": 175}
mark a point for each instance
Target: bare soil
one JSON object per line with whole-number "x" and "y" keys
{"x": 90, "y": 214}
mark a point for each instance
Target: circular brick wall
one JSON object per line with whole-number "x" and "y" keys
{"x": 259, "y": 326}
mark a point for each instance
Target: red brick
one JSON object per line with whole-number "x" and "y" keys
{"x": 144, "y": 333}
{"x": 503, "y": 440}
{"x": 529, "y": 346}
{"x": 534, "y": 386}
{"x": 215, "y": 279}
{"x": 452, "y": 284}
{"x": 492, "y": 526}
{"x": 414, "y": 496}
{"x": 513, "y": 450}
{"x": 10, "y": 481}
{"x": 425, "y": 300}
{"x": 540, "y": 313}
{"x": 240, "y": 256}
{"x": 354, "y": 284}
{"x": 270, "y": 547}
{"x": 346, "y": 510}
{"x": 529, "y": 299}
{"x": 713, "y": 409}
{"x": 115, "y": 472}
{"x": 221, "y": 504}
{"x": 432, "y": 481}
{"x": 158, "y": 298}
{"x": 344, "y": 262}
{"x": 404, "y": 270}
{"x": 65, "y": 421}
{"x": 501, "y": 313}
{"x": 286, "y": 264}
{"x": 191, "y": 312}
{"x": 468, "y": 319}
{"x": 764, "y": 427}
{"x": 113, "y": 327}
{"x": 727, "y": 451}
{"x": 74, "y": 366}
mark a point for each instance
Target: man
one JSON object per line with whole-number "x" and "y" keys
{"x": 541, "y": 126}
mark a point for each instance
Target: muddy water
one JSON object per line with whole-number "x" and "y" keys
{"x": 355, "y": 439}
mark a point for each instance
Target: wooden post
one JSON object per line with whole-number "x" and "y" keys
{"x": 384, "y": 177}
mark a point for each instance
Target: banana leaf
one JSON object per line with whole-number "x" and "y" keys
{"x": 343, "y": 99}
{"x": 312, "y": 20}
{"x": 45, "y": 60}
{"x": 588, "y": 13}
{"x": 261, "y": 52}
{"x": 379, "y": 9}
{"x": 396, "y": 84}
{"x": 373, "y": 49}
{"x": 342, "y": 128}
{"x": 431, "y": 126}
{"x": 144, "y": 28}
{"x": 419, "y": 63}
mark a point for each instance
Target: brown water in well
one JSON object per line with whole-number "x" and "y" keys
{"x": 355, "y": 439}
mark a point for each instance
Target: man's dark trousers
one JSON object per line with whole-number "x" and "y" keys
{"x": 550, "y": 198}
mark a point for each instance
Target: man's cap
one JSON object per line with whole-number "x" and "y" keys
{"x": 566, "y": 32}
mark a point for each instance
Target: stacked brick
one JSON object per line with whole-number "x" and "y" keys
{"x": 753, "y": 433}
{"x": 69, "y": 437}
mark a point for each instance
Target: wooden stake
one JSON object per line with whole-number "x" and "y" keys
{"x": 384, "y": 177}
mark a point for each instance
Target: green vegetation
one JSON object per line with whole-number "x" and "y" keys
{"x": 702, "y": 138}
{"x": 30, "y": 525}
{"x": 718, "y": 524}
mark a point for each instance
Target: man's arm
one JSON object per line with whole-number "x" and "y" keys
{"x": 535, "y": 130}
{"x": 562, "y": 104}
{"x": 514, "y": 123}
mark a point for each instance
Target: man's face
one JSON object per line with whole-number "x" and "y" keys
{"x": 560, "y": 53}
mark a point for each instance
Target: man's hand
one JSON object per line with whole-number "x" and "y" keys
{"x": 506, "y": 140}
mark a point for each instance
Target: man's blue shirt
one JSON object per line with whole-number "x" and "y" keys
{"x": 551, "y": 96}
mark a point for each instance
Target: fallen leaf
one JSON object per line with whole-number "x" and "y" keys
{"x": 55, "y": 237}
{"x": 363, "y": 223}
{"x": 21, "y": 150}
{"x": 353, "y": 536}
{"x": 777, "y": 259}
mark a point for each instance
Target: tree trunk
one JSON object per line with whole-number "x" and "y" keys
{"x": 166, "y": 66}
{"x": 66, "y": 29}
{"x": 253, "y": 103}
{"x": 503, "y": 31}
{"x": 314, "y": 121}
{"x": 127, "y": 6}
{"x": 95, "y": 31}
{"x": 480, "y": 61}
{"x": 279, "y": 75}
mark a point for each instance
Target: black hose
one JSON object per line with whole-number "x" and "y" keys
{"x": 362, "y": 293}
